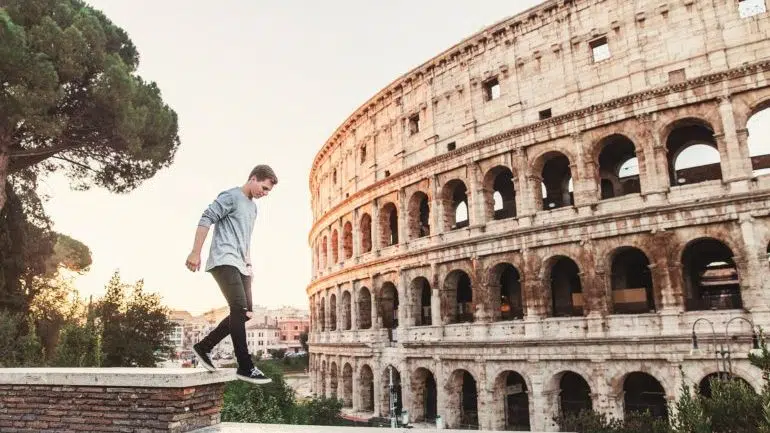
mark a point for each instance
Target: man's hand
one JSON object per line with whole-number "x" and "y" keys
{"x": 193, "y": 262}
{"x": 250, "y": 315}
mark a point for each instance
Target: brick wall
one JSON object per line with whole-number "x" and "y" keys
{"x": 28, "y": 408}
{"x": 154, "y": 402}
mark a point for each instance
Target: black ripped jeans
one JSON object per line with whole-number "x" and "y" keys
{"x": 237, "y": 290}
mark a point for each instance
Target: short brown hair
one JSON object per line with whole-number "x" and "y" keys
{"x": 263, "y": 172}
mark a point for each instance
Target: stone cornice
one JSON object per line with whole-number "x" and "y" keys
{"x": 635, "y": 98}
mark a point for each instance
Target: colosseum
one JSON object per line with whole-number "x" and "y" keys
{"x": 564, "y": 211}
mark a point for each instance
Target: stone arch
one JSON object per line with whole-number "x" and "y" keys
{"x": 392, "y": 395}
{"x": 335, "y": 247}
{"x": 710, "y": 276}
{"x": 455, "y": 202}
{"x": 704, "y": 385}
{"x": 347, "y": 239}
{"x": 364, "y": 308}
{"x": 561, "y": 275}
{"x": 365, "y": 225}
{"x": 388, "y": 303}
{"x": 323, "y": 379}
{"x": 322, "y": 313}
{"x": 347, "y": 322}
{"x": 418, "y": 215}
{"x": 499, "y": 193}
{"x": 554, "y": 170}
{"x": 333, "y": 312}
{"x": 571, "y": 392}
{"x": 506, "y": 292}
{"x": 618, "y": 166}
{"x": 424, "y": 395}
{"x": 366, "y": 387}
{"x": 512, "y": 406}
{"x": 462, "y": 392}
{"x": 388, "y": 224}
{"x": 694, "y": 136}
{"x": 324, "y": 251}
{"x": 630, "y": 281}
{"x": 642, "y": 392}
{"x": 421, "y": 300}
{"x": 756, "y": 129}
{"x": 457, "y": 297}
{"x": 347, "y": 385}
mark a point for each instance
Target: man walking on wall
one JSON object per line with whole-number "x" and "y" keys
{"x": 232, "y": 213}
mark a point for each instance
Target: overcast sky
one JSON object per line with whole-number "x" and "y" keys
{"x": 253, "y": 82}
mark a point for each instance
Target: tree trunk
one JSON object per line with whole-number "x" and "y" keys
{"x": 4, "y": 159}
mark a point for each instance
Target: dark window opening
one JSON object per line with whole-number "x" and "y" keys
{"x": 618, "y": 167}
{"x": 491, "y": 89}
{"x": 693, "y": 153}
{"x": 557, "y": 187}
{"x": 600, "y": 49}
{"x": 566, "y": 289}
{"x": 545, "y": 114}
{"x": 643, "y": 393}
{"x": 451, "y": 146}
{"x": 414, "y": 124}
{"x": 631, "y": 282}
{"x": 711, "y": 280}
{"x": 574, "y": 395}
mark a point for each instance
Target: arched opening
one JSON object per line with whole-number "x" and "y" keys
{"x": 693, "y": 153}
{"x": 346, "y": 319}
{"x": 499, "y": 194}
{"x": 366, "y": 388}
{"x": 389, "y": 225}
{"x": 704, "y": 387}
{"x": 324, "y": 252}
{"x": 364, "y": 308}
{"x": 388, "y": 302}
{"x": 347, "y": 385}
{"x": 333, "y": 380}
{"x": 462, "y": 401}
{"x": 631, "y": 282}
{"x": 557, "y": 181}
{"x": 322, "y": 314}
{"x": 641, "y": 393}
{"x": 347, "y": 240}
{"x": 333, "y": 312}
{"x": 618, "y": 167}
{"x": 457, "y": 298}
{"x": 711, "y": 280}
{"x": 566, "y": 288}
{"x": 391, "y": 392}
{"x": 419, "y": 215}
{"x": 454, "y": 197}
{"x": 758, "y": 128}
{"x": 366, "y": 233}
{"x": 512, "y": 402}
{"x": 424, "y": 396}
{"x": 505, "y": 289}
{"x": 421, "y": 300}
{"x": 335, "y": 247}
{"x": 574, "y": 394}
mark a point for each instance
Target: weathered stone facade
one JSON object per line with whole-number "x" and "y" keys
{"x": 478, "y": 227}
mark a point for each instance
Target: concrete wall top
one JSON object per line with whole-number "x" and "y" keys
{"x": 281, "y": 428}
{"x": 115, "y": 377}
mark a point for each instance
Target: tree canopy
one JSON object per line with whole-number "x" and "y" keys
{"x": 70, "y": 99}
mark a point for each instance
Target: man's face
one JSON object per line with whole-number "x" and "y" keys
{"x": 260, "y": 188}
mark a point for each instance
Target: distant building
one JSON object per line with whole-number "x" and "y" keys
{"x": 290, "y": 331}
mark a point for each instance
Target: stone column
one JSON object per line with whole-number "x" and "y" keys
{"x": 356, "y": 234}
{"x": 354, "y": 325}
{"x": 376, "y": 226}
{"x": 735, "y": 162}
{"x": 477, "y": 212}
{"x": 754, "y": 279}
{"x": 377, "y": 385}
{"x": 481, "y": 298}
{"x": 375, "y": 304}
{"x": 585, "y": 175}
{"x": 654, "y": 174}
{"x": 437, "y": 209}
{"x": 435, "y": 298}
{"x": 356, "y": 385}
{"x": 525, "y": 206}
{"x": 403, "y": 218}
{"x": 405, "y": 318}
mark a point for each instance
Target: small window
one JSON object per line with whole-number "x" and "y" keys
{"x": 387, "y": 173}
{"x": 600, "y": 49}
{"x": 491, "y": 89}
{"x": 334, "y": 176}
{"x": 677, "y": 76}
{"x": 451, "y": 146}
{"x": 749, "y": 8}
{"x": 414, "y": 124}
{"x": 363, "y": 153}
{"x": 545, "y": 114}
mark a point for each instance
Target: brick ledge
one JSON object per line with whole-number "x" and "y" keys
{"x": 115, "y": 377}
